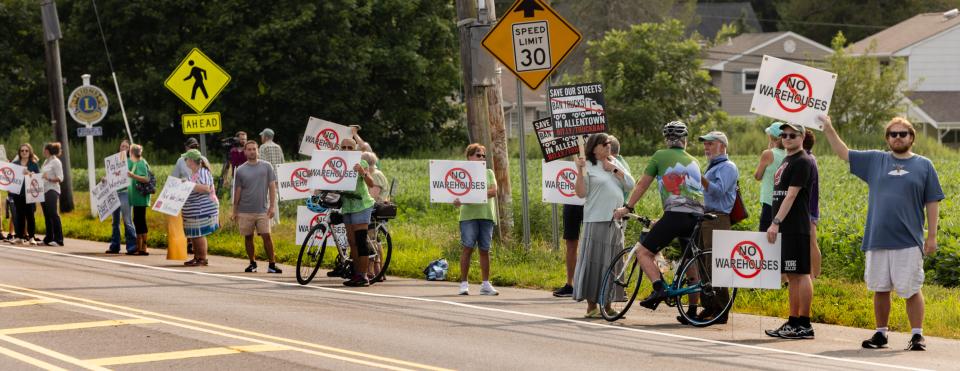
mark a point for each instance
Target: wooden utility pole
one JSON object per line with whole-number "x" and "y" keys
{"x": 483, "y": 97}
{"x": 52, "y": 35}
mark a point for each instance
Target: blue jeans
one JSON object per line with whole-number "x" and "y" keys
{"x": 476, "y": 233}
{"x": 128, "y": 228}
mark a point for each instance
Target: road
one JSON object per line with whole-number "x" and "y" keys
{"x": 76, "y": 308}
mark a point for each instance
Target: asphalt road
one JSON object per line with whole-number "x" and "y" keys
{"x": 77, "y": 308}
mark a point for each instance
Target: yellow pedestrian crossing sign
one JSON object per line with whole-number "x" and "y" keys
{"x": 197, "y": 81}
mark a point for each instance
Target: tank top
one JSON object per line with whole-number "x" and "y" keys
{"x": 766, "y": 185}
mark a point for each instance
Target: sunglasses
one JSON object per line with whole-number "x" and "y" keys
{"x": 789, "y": 135}
{"x": 480, "y": 155}
{"x": 895, "y": 134}
{"x": 346, "y": 148}
{"x": 24, "y": 150}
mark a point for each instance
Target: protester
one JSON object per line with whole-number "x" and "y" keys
{"x": 25, "y": 225}
{"x": 255, "y": 204}
{"x": 271, "y": 152}
{"x": 603, "y": 183}
{"x": 357, "y": 210}
{"x": 476, "y": 228}
{"x": 201, "y": 215}
{"x": 362, "y": 145}
{"x": 815, "y": 259}
{"x": 770, "y": 161}
{"x": 235, "y": 158}
{"x": 52, "y": 173}
{"x": 902, "y": 185}
{"x": 379, "y": 191}
{"x": 572, "y": 221}
{"x": 182, "y": 171}
{"x": 791, "y": 220}
{"x": 123, "y": 214}
{"x": 681, "y": 193}
{"x": 139, "y": 171}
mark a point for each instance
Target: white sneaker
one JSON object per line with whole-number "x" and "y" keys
{"x": 33, "y": 243}
{"x": 487, "y": 289}
{"x": 464, "y": 288}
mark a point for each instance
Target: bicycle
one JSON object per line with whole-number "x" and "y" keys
{"x": 690, "y": 281}
{"x": 314, "y": 245}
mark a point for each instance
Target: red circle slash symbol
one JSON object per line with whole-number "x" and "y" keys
{"x": 458, "y": 175}
{"x": 327, "y": 139}
{"x": 34, "y": 188}
{"x": 299, "y": 179}
{"x": 569, "y": 177}
{"x": 338, "y": 170}
{"x": 748, "y": 251}
{"x": 794, "y": 82}
{"x": 6, "y": 176}
{"x": 316, "y": 220}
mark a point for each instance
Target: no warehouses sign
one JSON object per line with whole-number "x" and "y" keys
{"x": 577, "y": 109}
{"x": 745, "y": 259}
{"x": 792, "y": 92}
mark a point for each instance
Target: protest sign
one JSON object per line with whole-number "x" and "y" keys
{"x": 333, "y": 170}
{"x": 11, "y": 177}
{"x": 745, "y": 259}
{"x": 559, "y": 178}
{"x": 577, "y": 109}
{"x": 792, "y": 92}
{"x": 464, "y": 180}
{"x": 306, "y": 219}
{"x": 34, "y": 188}
{"x": 173, "y": 196}
{"x": 117, "y": 177}
{"x": 323, "y": 135}
{"x": 553, "y": 148}
{"x": 106, "y": 200}
{"x": 294, "y": 179}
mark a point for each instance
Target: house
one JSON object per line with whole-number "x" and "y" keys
{"x": 734, "y": 65}
{"x": 929, "y": 43}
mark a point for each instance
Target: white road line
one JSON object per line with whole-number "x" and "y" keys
{"x": 470, "y": 306}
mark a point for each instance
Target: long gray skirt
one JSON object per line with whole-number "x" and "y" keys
{"x": 599, "y": 243}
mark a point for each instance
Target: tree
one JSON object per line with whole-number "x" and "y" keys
{"x": 651, "y": 75}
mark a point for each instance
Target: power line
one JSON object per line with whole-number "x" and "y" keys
{"x": 758, "y": 56}
{"x": 799, "y": 22}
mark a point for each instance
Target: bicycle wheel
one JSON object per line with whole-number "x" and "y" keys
{"x": 385, "y": 251}
{"x": 622, "y": 277}
{"x": 715, "y": 302}
{"x": 311, "y": 254}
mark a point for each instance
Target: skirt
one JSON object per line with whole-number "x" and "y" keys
{"x": 600, "y": 242}
{"x": 201, "y": 226}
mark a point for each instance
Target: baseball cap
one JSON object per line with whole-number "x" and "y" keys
{"x": 715, "y": 136}
{"x": 191, "y": 143}
{"x": 192, "y": 154}
{"x": 267, "y": 132}
{"x": 798, "y": 128}
{"x": 774, "y": 129}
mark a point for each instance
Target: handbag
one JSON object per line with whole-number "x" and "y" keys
{"x": 385, "y": 210}
{"x": 150, "y": 186}
{"x": 739, "y": 212}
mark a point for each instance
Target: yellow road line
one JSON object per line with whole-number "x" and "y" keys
{"x": 347, "y": 355}
{"x": 75, "y": 326}
{"x": 194, "y": 353}
{"x": 51, "y": 353}
{"x": 20, "y": 303}
{"x": 28, "y": 359}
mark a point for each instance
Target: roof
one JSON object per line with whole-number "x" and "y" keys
{"x": 744, "y": 44}
{"x": 714, "y": 15}
{"x": 940, "y": 106}
{"x": 905, "y": 34}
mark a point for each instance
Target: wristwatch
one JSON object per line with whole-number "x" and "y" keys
{"x": 777, "y": 221}
{"x": 615, "y": 170}
{"x": 628, "y": 207}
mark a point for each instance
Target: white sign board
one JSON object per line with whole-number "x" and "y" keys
{"x": 745, "y": 259}
{"x": 559, "y": 178}
{"x": 333, "y": 170}
{"x": 11, "y": 177}
{"x": 174, "y": 195}
{"x": 464, "y": 180}
{"x": 323, "y": 135}
{"x": 294, "y": 179}
{"x": 34, "y": 189}
{"x": 106, "y": 200}
{"x": 792, "y": 92}
{"x": 306, "y": 219}
{"x": 117, "y": 177}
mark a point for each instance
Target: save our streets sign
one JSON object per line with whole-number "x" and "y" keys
{"x": 577, "y": 109}
{"x": 792, "y": 92}
{"x": 559, "y": 178}
{"x": 294, "y": 179}
{"x": 323, "y": 135}
{"x": 745, "y": 259}
{"x": 554, "y": 148}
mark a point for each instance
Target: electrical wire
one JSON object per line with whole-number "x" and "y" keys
{"x": 831, "y": 24}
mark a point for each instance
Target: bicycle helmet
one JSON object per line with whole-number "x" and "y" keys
{"x": 675, "y": 129}
{"x": 314, "y": 204}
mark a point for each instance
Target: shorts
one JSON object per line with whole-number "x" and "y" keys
{"x": 572, "y": 221}
{"x": 476, "y": 233}
{"x": 900, "y": 269}
{"x": 795, "y": 253}
{"x": 359, "y": 217}
{"x": 766, "y": 216}
{"x": 672, "y": 225}
{"x": 250, "y": 223}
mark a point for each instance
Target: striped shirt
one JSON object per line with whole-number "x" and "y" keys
{"x": 272, "y": 153}
{"x": 199, "y": 204}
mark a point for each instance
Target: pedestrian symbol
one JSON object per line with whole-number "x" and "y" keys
{"x": 197, "y": 80}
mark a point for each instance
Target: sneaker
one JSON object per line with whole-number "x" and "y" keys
{"x": 653, "y": 300}
{"x": 487, "y": 289}
{"x": 336, "y": 272}
{"x": 53, "y": 244}
{"x": 709, "y": 316}
{"x": 797, "y": 332}
{"x": 111, "y": 252}
{"x": 252, "y": 268}
{"x": 690, "y": 313}
{"x": 33, "y": 242}
{"x": 776, "y": 333}
{"x": 357, "y": 281}
{"x": 464, "y": 288}
{"x": 917, "y": 343}
{"x": 878, "y": 341}
{"x": 272, "y": 268}
{"x": 564, "y": 292}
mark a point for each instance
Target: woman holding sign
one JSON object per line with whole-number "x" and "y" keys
{"x": 357, "y": 209}
{"x": 52, "y": 173}
{"x": 201, "y": 211}
{"x": 476, "y": 228}
{"x": 139, "y": 171}
{"x": 603, "y": 183}
{"x": 24, "y": 223}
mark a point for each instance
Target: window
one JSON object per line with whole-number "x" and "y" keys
{"x": 749, "y": 80}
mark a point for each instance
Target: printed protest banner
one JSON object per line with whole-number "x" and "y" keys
{"x": 577, "y": 109}
{"x": 745, "y": 259}
{"x": 333, "y": 170}
{"x": 117, "y": 177}
{"x": 34, "y": 189}
{"x": 553, "y": 148}
{"x": 466, "y": 180}
{"x": 792, "y": 92}
{"x": 294, "y": 179}
{"x": 106, "y": 200}
{"x": 173, "y": 196}
{"x": 11, "y": 177}
{"x": 306, "y": 219}
{"x": 323, "y": 135}
{"x": 559, "y": 178}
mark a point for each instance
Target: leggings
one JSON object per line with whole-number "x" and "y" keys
{"x": 24, "y": 223}
{"x": 51, "y": 219}
{"x": 140, "y": 219}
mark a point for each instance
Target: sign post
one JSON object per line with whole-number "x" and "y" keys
{"x": 88, "y": 105}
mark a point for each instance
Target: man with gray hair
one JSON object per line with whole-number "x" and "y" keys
{"x": 271, "y": 152}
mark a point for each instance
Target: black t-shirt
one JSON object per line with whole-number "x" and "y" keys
{"x": 795, "y": 171}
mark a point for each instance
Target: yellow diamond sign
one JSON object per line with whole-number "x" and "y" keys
{"x": 197, "y": 81}
{"x": 531, "y": 40}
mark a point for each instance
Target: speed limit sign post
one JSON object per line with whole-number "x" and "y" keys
{"x": 531, "y": 40}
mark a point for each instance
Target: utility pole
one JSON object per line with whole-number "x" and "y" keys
{"x": 52, "y": 36}
{"x": 483, "y": 97}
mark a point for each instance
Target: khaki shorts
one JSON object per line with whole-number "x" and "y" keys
{"x": 900, "y": 269}
{"x": 248, "y": 223}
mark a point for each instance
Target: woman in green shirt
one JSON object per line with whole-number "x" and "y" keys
{"x": 139, "y": 171}
{"x": 357, "y": 209}
{"x": 476, "y": 228}
{"x": 770, "y": 160}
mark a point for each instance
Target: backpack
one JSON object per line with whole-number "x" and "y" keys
{"x": 436, "y": 270}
